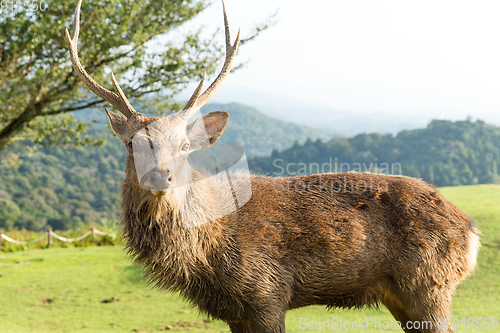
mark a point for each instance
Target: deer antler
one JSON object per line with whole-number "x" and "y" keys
{"x": 119, "y": 101}
{"x": 196, "y": 101}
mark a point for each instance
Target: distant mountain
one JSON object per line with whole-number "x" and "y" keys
{"x": 249, "y": 128}
{"x": 293, "y": 109}
{"x": 348, "y": 122}
{"x": 260, "y": 134}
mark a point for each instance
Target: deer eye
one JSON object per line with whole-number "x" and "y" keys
{"x": 185, "y": 147}
{"x": 130, "y": 149}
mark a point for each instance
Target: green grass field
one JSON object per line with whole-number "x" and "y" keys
{"x": 98, "y": 289}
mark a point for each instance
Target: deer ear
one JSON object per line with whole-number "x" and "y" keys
{"x": 206, "y": 130}
{"x": 118, "y": 124}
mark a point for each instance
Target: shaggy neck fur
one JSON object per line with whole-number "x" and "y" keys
{"x": 157, "y": 236}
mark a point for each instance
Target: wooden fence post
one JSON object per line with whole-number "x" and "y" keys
{"x": 49, "y": 237}
{"x": 93, "y": 236}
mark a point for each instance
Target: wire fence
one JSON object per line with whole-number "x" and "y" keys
{"x": 49, "y": 234}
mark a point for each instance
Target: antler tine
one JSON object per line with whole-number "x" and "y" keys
{"x": 195, "y": 94}
{"x": 227, "y": 30}
{"x": 123, "y": 99}
{"x": 226, "y": 68}
{"x": 120, "y": 102}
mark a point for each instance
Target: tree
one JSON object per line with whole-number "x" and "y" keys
{"x": 38, "y": 86}
{"x": 9, "y": 213}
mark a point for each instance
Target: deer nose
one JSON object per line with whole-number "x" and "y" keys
{"x": 160, "y": 180}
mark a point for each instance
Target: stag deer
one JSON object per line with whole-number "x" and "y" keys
{"x": 319, "y": 239}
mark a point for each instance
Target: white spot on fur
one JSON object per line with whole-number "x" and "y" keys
{"x": 474, "y": 245}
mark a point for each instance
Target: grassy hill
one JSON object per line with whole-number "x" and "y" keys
{"x": 97, "y": 289}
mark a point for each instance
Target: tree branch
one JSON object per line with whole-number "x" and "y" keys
{"x": 18, "y": 124}
{"x": 74, "y": 108}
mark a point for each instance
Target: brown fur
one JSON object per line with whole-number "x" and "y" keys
{"x": 402, "y": 245}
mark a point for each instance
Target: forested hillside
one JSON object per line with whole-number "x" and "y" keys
{"x": 445, "y": 153}
{"x": 64, "y": 188}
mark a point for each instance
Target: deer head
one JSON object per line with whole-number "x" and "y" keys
{"x": 160, "y": 146}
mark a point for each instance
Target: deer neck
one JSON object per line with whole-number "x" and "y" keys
{"x": 160, "y": 228}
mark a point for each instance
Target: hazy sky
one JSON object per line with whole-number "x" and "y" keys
{"x": 414, "y": 57}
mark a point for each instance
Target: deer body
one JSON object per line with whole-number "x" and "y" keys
{"x": 406, "y": 247}
{"x": 331, "y": 239}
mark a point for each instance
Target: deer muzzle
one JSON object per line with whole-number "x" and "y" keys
{"x": 157, "y": 181}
